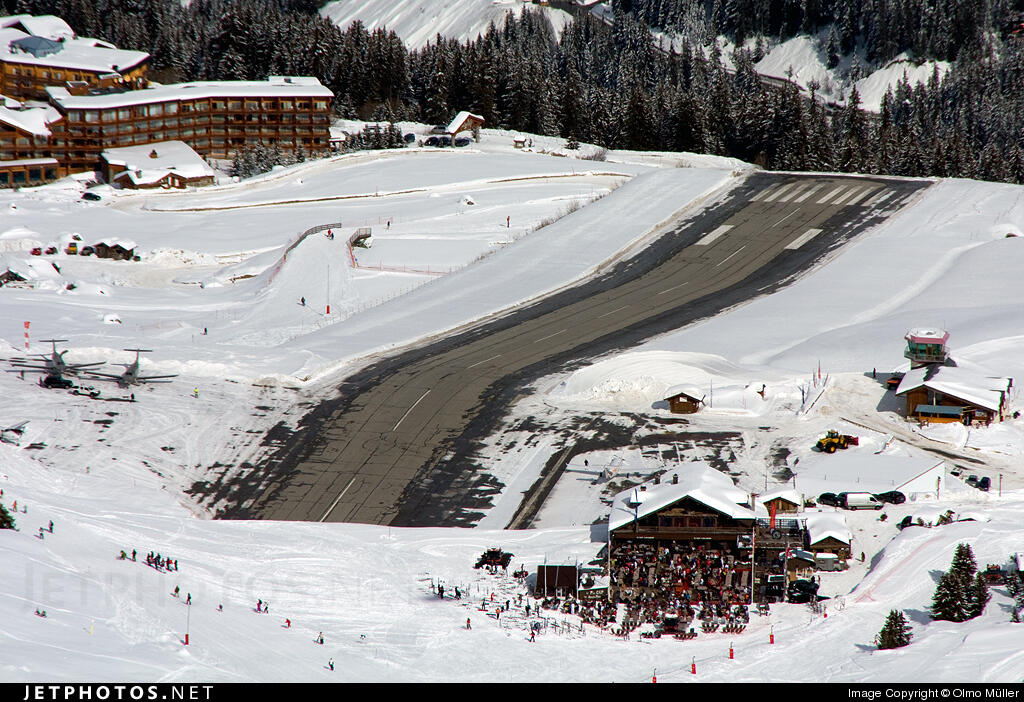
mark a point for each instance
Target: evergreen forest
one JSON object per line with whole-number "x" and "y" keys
{"x": 607, "y": 82}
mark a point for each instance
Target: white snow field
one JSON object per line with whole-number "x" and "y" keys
{"x": 112, "y": 473}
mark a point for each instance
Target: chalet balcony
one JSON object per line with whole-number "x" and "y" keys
{"x": 680, "y": 533}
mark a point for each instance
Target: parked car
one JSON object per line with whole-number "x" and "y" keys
{"x": 410, "y": 138}
{"x": 463, "y": 141}
{"x": 56, "y": 381}
{"x": 985, "y": 483}
{"x": 430, "y": 141}
{"x": 893, "y": 497}
{"x": 828, "y": 498}
{"x": 91, "y": 196}
{"x": 37, "y": 251}
{"x": 973, "y": 481}
{"x": 87, "y": 251}
{"x": 802, "y": 591}
{"x": 858, "y": 500}
{"x": 50, "y": 250}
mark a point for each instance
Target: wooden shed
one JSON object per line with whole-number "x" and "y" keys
{"x": 119, "y": 250}
{"x": 683, "y": 400}
{"x": 465, "y": 121}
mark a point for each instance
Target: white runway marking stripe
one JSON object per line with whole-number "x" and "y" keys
{"x": 730, "y": 255}
{"x": 803, "y": 238}
{"x": 792, "y": 193}
{"x": 545, "y": 338}
{"x": 394, "y": 428}
{"x": 624, "y": 307}
{"x": 828, "y": 197}
{"x": 884, "y": 194}
{"x": 764, "y": 193}
{"x": 854, "y": 201}
{"x": 839, "y": 200}
{"x": 708, "y": 238}
{"x": 777, "y": 193}
{"x": 814, "y": 188}
{"x": 484, "y": 361}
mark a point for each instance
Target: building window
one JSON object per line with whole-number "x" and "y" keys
{"x": 156, "y": 110}
{"x": 92, "y": 116}
{"x": 170, "y": 108}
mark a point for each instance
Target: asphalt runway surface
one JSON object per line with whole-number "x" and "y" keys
{"x": 399, "y": 445}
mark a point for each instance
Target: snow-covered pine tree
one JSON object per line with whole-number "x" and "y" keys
{"x": 964, "y": 565}
{"x": 977, "y": 596}
{"x": 949, "y": 603}
{"x": 895, "y": 633}
{"x": 6, "y": 520}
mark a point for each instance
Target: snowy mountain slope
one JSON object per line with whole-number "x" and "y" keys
{"x": 420, "y": 21}
{"x": 112, "y": 473}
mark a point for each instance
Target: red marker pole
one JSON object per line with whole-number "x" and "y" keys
{"x": 654, "y": 676}
{"x": 771, "y": 635}
{"x": 693, "y": 666}
{"x": 731, "y": 654}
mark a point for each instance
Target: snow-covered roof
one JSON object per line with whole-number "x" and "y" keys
{"x": 865, "y": 471}
{"x": 33, "y": 120}
{"x": 64, "y": 50}
{"x": 47, "y": 26}
{"x": 696, "y": 481}
{"x": 975, "y": 388}
{"x": 112, "y": 241}
{"x": 689, "y": 390}
{"x": 822, "y": 525}
{"x": 274, "y": 86}
{"x": 927, "y": 335}
{"x": 149, "y": 163}
{"x": 788, "y": 494}
{"x": 459, "y": 119}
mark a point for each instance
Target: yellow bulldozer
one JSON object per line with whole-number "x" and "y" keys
{"x": 834, "y": 440}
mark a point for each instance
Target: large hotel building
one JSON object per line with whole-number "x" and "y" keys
{"x": 55, "y": 125}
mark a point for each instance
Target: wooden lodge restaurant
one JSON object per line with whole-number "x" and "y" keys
{"x": 692, "y": 521}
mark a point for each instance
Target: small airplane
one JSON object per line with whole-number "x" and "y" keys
{"x": 53, "y": 364}
{"x": 131, "y": 374}
{"x": 17, "y": 430}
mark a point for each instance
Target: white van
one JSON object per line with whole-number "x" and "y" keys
{"x": 859, "y": 500}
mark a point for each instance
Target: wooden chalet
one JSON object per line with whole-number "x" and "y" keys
{"x": 465, "y": 121}
{"x": 683, "y": 399}
{"x": 169, "y": 164}
{"x": 827, "y": 532}
{"x": 943, "y": 394}
{"x": 37, "y": 52}
{"x": 782, "y": 501}
{"x": 9, "y": 276}
{"x": 116, "y": 249}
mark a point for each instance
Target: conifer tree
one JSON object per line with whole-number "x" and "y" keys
{"x": 895, "y": 633}
{"x": 977, "y": 596}
{"x": 963, "y": 566}
{"x": 6, "y": 520}
{"x": 950, "y": 599}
